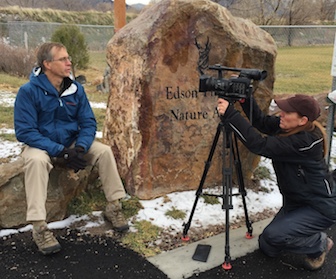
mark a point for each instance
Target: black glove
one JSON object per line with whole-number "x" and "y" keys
{"x": 74, "y": 158}
{"x": 67, "y": 153}
{"x": 77, "y": 163}
{"x": 230, "y": 111}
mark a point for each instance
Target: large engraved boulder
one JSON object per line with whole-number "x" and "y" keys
{"x": 159, "y": 124}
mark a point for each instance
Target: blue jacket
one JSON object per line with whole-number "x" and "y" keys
{"x": 46, "y": 120}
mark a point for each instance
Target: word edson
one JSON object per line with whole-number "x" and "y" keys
{"x": 178, "y": 94}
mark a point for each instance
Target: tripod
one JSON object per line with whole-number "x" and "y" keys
{"x": 229, "y": 143}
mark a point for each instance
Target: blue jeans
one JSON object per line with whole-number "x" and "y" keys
{"x": 299, "y": 231}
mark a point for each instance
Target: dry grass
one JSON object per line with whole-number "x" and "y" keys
{"x": 16, "y": 61}
{"x": 62, "y": 16}
{"x": 49, "y": 15}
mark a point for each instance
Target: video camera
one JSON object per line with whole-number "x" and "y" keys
{"x": 235, "y": 88}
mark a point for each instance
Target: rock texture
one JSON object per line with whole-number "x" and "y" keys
{"x": 158, "y": 123}
{"x": 63, "y": 186}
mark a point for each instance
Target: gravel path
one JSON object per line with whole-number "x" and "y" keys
{"x": 82, "y": 256}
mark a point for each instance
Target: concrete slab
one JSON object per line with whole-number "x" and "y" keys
{"x": 178, "y": 263}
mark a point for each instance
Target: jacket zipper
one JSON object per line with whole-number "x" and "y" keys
{"x": 301, "y": 174}
{"x": 328, "y": 186}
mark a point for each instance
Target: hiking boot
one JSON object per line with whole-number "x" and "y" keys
{"x": 45, "y": 240}
{"x": 113, "y": 213}
{"x": 317, "y": 263}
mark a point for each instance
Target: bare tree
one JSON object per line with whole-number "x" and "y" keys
{"x": 103, "y": 7}
{"x": 299, "y": 13}
{"x": 22, "y": 3}
{"x": 327, "y": 9}
{"x": 68, "y": 5}
{"x": 269, "y": 10}
{"x": 240, "y": 8}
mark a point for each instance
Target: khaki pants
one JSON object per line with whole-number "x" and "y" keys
{"x": 38, "y": 164}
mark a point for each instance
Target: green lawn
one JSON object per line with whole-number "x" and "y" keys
{"x": 303, "y": 70}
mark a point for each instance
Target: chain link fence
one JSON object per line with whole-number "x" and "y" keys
{"x": 31, "y": 34}
{"x": 304, "y": 35}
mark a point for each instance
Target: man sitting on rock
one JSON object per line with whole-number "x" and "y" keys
{"x": 53, "y": 117}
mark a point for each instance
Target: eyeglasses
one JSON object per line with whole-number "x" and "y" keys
{"x": 63, "y": 59}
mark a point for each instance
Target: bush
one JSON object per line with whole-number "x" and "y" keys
{"x": 16, "y": 61}
{"x": 71, "y": 37}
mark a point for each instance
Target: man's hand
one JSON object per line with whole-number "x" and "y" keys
{"x": 74, "y": 158}
{"x": 67, "y": 153}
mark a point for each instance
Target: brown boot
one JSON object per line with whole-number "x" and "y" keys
{"x": 317, "y": 263}
{"x": 113, "y": 213}
{"x": 45, "y": 240}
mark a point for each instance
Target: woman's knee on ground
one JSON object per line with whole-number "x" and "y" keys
{"x": 273, "y": 235}
{"x": 272, "y": 240}
{"x": 267, "y": 248}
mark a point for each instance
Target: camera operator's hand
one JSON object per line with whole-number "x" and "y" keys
{"x": 222, "y": 106}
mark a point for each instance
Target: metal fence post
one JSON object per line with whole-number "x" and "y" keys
{"x": 330, "y": 125}
{"x": 331, "y": 115}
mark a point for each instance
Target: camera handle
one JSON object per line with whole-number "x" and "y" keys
{"x": 229, "y": 143}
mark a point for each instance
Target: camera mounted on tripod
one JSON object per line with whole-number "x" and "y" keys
{"x": 232, "y": 89}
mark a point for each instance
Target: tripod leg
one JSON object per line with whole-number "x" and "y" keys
{"x": 227, "y": 197}
{"x": 227, "y": 205}
{"x": 200, "y": 187}
{"x": 227, "y": 192}
{"x": 227, "y": 262}
{"x": 242, "y": 190}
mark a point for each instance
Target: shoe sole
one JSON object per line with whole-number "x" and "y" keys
{"x": 330, "y": 244}
{"x": 51, "y": 250}
{"x": 118, "y": 229}
{"x": 121, "y": 229}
